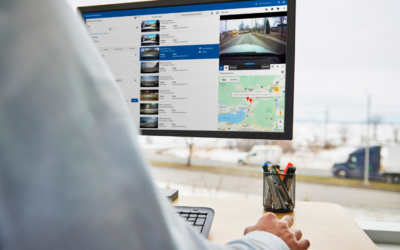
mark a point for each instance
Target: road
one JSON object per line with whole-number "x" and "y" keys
{"x": 245, "y": 39}
{"x": 211, "y": 163}
{"x": 362, "y": 204}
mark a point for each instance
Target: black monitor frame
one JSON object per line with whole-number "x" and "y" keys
{"x": 290, "y": 67}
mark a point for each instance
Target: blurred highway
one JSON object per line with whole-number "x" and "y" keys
{"x": 211, "y": 163}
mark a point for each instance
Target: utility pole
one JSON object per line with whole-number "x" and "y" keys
{"x": 366, "y": 160}
{"x": 326, "y": 127}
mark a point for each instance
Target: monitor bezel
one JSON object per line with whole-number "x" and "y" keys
{"x": 290, "y": 71}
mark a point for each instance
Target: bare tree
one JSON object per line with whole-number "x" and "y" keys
{"x": 344, "y": 133}
{"x": 189, "y": 143}
{"x": 375, "y": 120}
{"x": 241, "y": 26}
{"x": 279, "y": 22}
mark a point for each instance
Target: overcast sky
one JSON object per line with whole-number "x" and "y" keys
{"x": 343, "y": 49}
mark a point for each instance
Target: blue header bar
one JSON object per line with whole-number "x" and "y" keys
{"x": 187, "y": 8}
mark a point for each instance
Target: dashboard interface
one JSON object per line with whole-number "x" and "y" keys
{"x": 207, "y": 67}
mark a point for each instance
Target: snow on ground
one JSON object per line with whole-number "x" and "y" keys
{"x": 308, "y": 139}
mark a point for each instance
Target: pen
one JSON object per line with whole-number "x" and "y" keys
{"x": 289, "y": 177}
{"x": 286, "y": 169}
{"x": 282, "y": 188}
{"x": 265, "y": 167}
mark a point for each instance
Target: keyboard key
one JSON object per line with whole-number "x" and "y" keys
{"x": 193, "y": 215}
{"x": 190, "y": 222}
{"x": 198, "y": 229}
{"x": 184, "y": 215}
{"x": 200, "y": 221}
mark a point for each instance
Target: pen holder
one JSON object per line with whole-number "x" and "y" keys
{"x": 279, "y": 192}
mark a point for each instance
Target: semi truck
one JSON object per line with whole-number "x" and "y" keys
{"x": 384, "y": 164}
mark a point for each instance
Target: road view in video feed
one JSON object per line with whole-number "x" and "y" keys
{"x": 149, "y": 67}
{"x": 150, "y": 54}
{"x": 149, "y": 108}
{"x": 150, "y": 40}
{"x": 253, "y": 43}
{"x": 150, "y": 26}
{"x": 149, "y": 81}
{"x": 149, "y": 95}
{"x": 148, "y": 122}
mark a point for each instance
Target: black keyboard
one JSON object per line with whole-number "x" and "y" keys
{"x": 200, "y": 218}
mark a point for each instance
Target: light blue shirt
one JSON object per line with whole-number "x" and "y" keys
{"x": 72, "y": 175}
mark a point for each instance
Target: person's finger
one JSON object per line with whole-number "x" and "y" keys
{"x": 267, "y": 217}
{"x": 288, "y": 219}
{"x": 304, "y": 244}
{"x": 297, "y": 233}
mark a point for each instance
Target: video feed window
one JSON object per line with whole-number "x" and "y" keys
{"x": 149, "y": 95}
{"x": 150, "y": 40}
{"x": 149, "y": 81}
{"x": 149, "y": 53}
{"x": 148, "y": 122}
{"x": 149, "y": 108}
{"x": 149, "y": 67}
{"x": 150, "y": 26}
{"x": 250, "y": 42}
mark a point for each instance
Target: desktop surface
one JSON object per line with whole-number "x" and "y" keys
{"x": 326, "y": 225}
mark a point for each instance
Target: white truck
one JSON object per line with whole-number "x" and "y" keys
{"x": 260, "y": 154}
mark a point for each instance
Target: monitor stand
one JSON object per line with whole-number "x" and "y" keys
{"x": 171, "y": 194}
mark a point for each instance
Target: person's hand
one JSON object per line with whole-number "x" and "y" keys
{"x": 269, "y": 223}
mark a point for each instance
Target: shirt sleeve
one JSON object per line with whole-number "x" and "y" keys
{"x": 72, "y": 175}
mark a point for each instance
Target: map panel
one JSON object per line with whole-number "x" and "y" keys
{"x": 251, "y": 103}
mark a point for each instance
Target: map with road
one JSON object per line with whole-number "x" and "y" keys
{"x": 251, "y": 103}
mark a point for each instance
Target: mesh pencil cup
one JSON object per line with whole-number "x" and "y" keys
{"x": 279, "y": 192}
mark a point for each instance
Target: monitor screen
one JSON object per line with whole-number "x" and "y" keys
{"x": 215, "y": 69}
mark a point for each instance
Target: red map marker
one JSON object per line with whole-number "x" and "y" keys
{"x": 247, "y": 98}
{"x": 251, "y": 100}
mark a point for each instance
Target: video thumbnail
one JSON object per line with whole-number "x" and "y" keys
{"x": 149, "y": 53}
{"x": 150, "y": 40}
{"x": 148, "y": 122}
{"x": 149, "y": 81}
{"x": 149, "y": 108}
{"x": 252, "y": 43}
{"x": 149, "y": 95}
{"x": 151, "y": 26}
{"x": 149, "y": 67}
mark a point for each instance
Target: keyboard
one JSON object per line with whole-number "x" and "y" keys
{"x": 200, "y": 218}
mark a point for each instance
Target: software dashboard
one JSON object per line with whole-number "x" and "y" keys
{"x": 206, "y": 67}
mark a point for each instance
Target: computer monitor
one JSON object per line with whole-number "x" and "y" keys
{"x": 201, "y": 68}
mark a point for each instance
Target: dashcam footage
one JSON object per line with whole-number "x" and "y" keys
{"x": 148, "y": 122}
{"x": 149, "y": 53}
{"x": 253, "y": 43}
{"x": 149, "y": 95}
{"x": 150, "y": 40}
{"x": 151, "y": 26}
{"x": 149, "y": 81}
{"x": 149, "y": 108}
{"x": 149, "y": 67}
